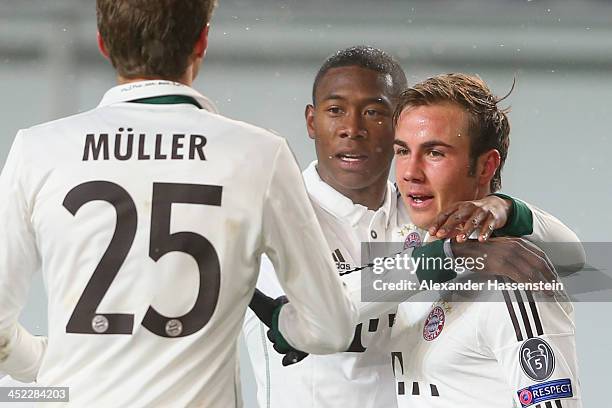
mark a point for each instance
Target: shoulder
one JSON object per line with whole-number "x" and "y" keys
{"x": 77, "y": 121}
{"x": 229, "y": 126}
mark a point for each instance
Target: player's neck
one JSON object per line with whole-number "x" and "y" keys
{"x": 372, "y": 196}
{"x": 483, "y": 192}
{"x": 185, "y": 79}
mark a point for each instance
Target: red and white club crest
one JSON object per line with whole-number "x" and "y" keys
{"x": 434, "y": 324}
{"x": 413, "y": 240}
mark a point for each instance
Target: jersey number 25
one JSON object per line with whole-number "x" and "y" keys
{"x": 85, "y": 318}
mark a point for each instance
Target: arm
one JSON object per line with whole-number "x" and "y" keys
{"x": 21, "y": 353}
{"x": 321, "y": 317}
{"x": 560, "y": 243}
{"x": 507, "y": 216}
{"x": 433, "y": 263}
{"x": 537, "y": 359}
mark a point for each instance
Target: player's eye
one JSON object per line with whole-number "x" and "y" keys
{"x": 334, "y": 110}
{"x": 401, "y": 151}
{"x": 372, "y": 112}
{"x": 435, "y": 154}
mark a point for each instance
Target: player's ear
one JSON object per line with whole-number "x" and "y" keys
{"x": 487, "y": 165}
{"x": 202, "y": 42}
{"x": 102, "y": 46}
{"x": 309, "y": 115}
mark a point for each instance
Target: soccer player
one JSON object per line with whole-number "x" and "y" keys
{"x": 502, "y": 349}
{"x": 147, "y": 216}
{"x": 350, "y": 120}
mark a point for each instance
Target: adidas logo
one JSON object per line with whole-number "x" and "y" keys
{"x": 341, "y": 264}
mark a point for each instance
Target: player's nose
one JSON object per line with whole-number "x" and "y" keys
{"x": 353, "y": 127}
{"x": 411, "y": 169}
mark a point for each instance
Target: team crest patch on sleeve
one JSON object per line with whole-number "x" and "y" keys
{"x": 537, "y": 359}
{"x": 535, "y": 394}
{"x": 434, "y": 324}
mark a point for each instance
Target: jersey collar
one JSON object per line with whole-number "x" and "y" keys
{"x": 152, "y": 89}
{"x": 339, "y": 205}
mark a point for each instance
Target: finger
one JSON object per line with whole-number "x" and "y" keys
{"x": 543, "y": 270}
{"x": 442, "y": 218}
{"x": 473, "y": 222}
{"x": 553, "y": 271}
{"x": 512, "y": 268}
{"x": 487, "y": 228}
{"x": 547, "y": 271}
{"x": 524, "y": 269}
{"x": 454, "y": 223}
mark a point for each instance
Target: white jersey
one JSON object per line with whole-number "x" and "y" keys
{"x": 359, "y": 378}
{"x": 362, "y": 377}
{"x": 509, "y": 351}
{"x": 148, "y": 222}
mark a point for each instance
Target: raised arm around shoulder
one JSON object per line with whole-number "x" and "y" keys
{"x": 560, "y": 243}
{"x": 320, "y": 317}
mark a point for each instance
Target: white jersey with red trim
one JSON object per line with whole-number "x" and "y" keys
{"x": 515, "y": 349}
{"x": 148, "y": 222}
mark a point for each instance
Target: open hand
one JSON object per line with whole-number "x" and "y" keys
{"x": 515, "y": 258}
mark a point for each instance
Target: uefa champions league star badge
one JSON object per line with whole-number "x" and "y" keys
{"x": 434, "y": 324}
{"x": 537, "y": 359}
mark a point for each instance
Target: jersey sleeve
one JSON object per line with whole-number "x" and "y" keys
{"x": 20, "y": 352}
{"x": 560, "y": 243}
{"x": 320, "y": 318}
{"x": 534, "y": 344}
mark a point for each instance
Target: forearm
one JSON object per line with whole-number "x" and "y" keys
{"x": 379, "y": 288}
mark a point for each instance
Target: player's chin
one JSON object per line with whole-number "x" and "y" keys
{"x": 354, "y": 180}
{"x": 422, "y": 218}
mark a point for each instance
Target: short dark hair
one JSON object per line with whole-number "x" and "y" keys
{"x": 364, "y": 57}
{"x": 488, "y": 124}
{"x": 152, "y": 37}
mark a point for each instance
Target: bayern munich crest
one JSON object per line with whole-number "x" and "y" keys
{"x": 434, "y": 324}
{"x": 413, "y": 240}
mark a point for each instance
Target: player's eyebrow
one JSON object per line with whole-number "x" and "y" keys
{"x": 400, "y": 143}
{"x": 365, "y": 101}
{"x": 425, "y": 145}
{"x": 332, "y": 97}
{"x": 435, "y": 143}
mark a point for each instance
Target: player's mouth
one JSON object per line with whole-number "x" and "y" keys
{"x": 351, "y": 161}
{"x": 420, "y": 201}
